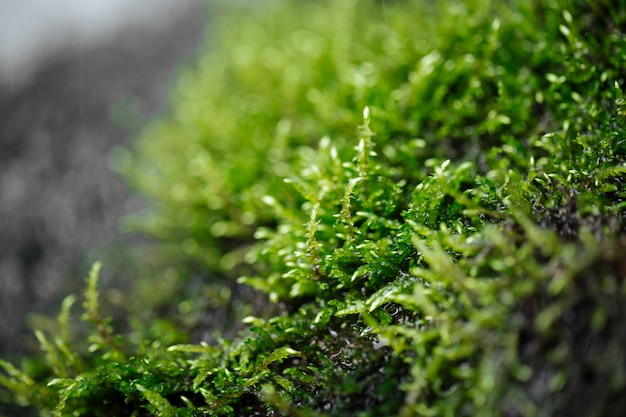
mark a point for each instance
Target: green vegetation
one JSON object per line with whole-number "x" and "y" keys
{"x": 427, "y": 197}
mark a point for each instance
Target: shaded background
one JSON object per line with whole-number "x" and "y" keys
{"x": 76, "y": 77}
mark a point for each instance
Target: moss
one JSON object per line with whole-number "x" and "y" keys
{"x": 427, "y": 197}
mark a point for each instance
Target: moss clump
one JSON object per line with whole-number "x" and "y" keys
{"x": 430, "y": 196}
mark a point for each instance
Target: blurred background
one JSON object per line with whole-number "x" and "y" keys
{"x": 77, "y": 78}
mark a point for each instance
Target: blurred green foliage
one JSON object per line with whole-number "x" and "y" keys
{"x": 429, "y": 194}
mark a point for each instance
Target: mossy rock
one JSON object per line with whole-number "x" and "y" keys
{"x": 429, "y": 196}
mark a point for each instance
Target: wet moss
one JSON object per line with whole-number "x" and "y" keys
{"x": 430, "y": 205}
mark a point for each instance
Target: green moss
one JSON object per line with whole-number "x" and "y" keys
{"x": 430, "y": 196}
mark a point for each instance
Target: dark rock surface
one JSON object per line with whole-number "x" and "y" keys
{"x": 58, "y": 195}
